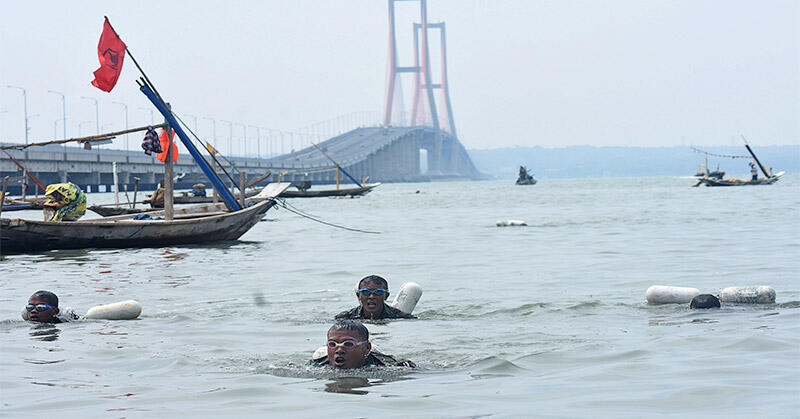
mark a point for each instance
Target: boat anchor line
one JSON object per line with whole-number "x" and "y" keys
{"x": 282, "y": 203}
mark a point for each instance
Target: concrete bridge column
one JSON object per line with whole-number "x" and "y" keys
{"x": 62, "y": 176}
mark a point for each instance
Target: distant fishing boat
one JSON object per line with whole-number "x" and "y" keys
{"x": 741, "y": 182}
{"x": 322, "y": 193}
{"x": 715, "y": 174}
{"x": 768, "y": 179}
{"x": 525, "y": 178}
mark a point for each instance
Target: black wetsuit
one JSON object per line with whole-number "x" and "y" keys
{"x": 388, "y": 312}
{"x": 373, "y": 358}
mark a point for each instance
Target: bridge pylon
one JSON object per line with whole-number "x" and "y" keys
{"x": 424, "y": 111}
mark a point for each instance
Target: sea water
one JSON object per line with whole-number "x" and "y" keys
{"x": 544, "y": 320}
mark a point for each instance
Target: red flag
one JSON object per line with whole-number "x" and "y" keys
{"x": 111, "y": 52}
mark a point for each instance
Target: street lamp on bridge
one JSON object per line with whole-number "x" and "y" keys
{"x": 63, "y": 115}
{"x": 80, "y": 128}
{"x": 213, "y": 128}
{"x": 244, "y": 139}
{"x": 258, "y": 141}
{"x": 147, "y": 110}
{"x": 126, "y": 122}
{"x": 230, "y": 137}
{"x": 96, "y": 112}
{"x": 195, "y": 121}
{"x": 24, "y": 108}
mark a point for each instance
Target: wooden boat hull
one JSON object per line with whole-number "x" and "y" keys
{"x": 188, "y": 199}
{"x": 737, "y": 182}
{"x": 19, "y": 236}
{"x": 111, "y": 211}
{"x": 19, "y": 207}
{"x": 358, "y": 191}
{"x": 526, "y": 182}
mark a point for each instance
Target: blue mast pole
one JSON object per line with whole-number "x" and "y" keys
{"x": 230, "y": 201}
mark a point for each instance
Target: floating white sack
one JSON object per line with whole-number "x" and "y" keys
{"x": 663, "y": 294}
{"x": 123, "y": 310}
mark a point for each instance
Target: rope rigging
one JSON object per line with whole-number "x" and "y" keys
{"x": 288, "y": 207}
{"x": 728, "y": 156}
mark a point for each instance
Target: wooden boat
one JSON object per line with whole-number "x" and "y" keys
{"x": 741, "y": 182}
{"x": 194, "y": 224}
{"x": 109, "y": 211}
{"x": 19, "y": 204}
{"x": 768, "y": 178}
{"x": 525, "y": 178}
{"x": 185, "y": 198}
{"x": 322, "y": 193}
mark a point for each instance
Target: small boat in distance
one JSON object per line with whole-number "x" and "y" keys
{"x": 324, "y": 193}
{"x": 768, "y": 179}
{"x": 525, "y": 178}
{"x": 716, "y": 174}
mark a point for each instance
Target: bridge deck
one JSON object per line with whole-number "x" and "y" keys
{"x": 348, "y": 147}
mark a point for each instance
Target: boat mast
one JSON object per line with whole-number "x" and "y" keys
{"x": 230, "y": 201}
{"x": 337, "y": 167}
{"x": 755, "y": 158}
{"x": 169, "y": 185}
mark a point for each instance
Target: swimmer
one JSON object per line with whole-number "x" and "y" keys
{"x": 372, "y": 294}
{"x": 349, "y": 347}
{"x": 43, "y": 308}
{"x": 704, "y": 301}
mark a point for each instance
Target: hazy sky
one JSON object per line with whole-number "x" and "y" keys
{"x": 547, "y": 73}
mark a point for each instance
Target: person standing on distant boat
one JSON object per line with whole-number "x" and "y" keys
{"x": 753, "y": 171}
{"x": 372, "y": 293}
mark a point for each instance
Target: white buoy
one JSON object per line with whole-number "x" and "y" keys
{"x": 511, "y": 223}
{"x": 753, "y": 295}
{"x": 663, "y": 294}
{"x": 320, "y": 353}
{"x": 123, "y": 310}
{"x": 407, "y": 297}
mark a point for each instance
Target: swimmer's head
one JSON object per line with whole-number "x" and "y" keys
{"x": 704, "y": 301}
{"x": 42, "y": 307}
{"x": 372, "y": 292}
{"x": 348, "y": 344}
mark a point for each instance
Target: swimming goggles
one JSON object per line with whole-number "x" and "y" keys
{"x": 348, "y": 344}
{"x": 368, "y": 291}
{"x": 38, "y": 307}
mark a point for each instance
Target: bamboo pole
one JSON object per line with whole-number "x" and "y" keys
{"x": 72, "y": 140}
{"x": 169, "y": 186}
{"x": 242, "y": 179}
{"x": 116, "y": 182}
{"x": 135, "y": 190}
{"x": 2, "y": 200}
